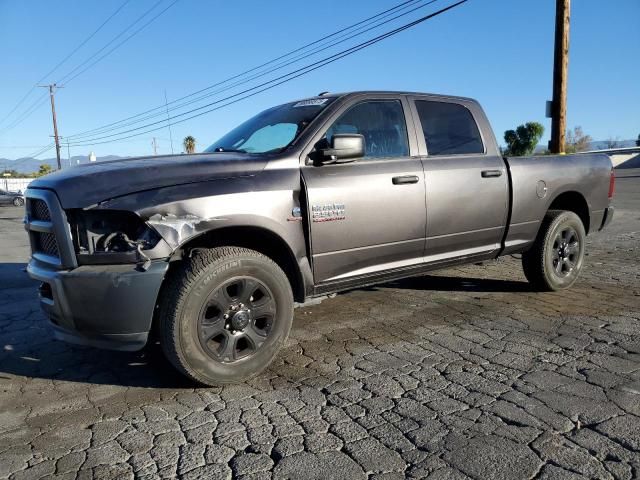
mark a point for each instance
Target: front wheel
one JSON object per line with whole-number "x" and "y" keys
{"x": 555, "y": 260}
{"x": 18, "y": 202}
{"x": 224, "y": 315}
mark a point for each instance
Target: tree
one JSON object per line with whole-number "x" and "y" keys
{"x": 576, "y": 141}
{"x": 638, "y": 141}
{"x": 524, "y": 139}
{"x": 611, "y": 143}
{"x": 189, "y": 144}
{"x": 44, "y": 169}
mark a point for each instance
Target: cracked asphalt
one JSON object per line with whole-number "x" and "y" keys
{"x": 465, "y": 373}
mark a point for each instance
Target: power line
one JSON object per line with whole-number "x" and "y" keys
{"x": 277, "y": 81}
{"x": 48, "y": 147}
{"x": 27, "y": 113}
{"x": 40, "y": 151}
{"x": 293, "y": 74}
{"x": 67, "y": 78}
{"x": 280, "y": 66}
{"x": 90, "y": 58}
{"x": 21, "y": 146}
{"x": 61, "y": 62}
{"x": 86, "y": 40}
{"x": 160, "y": 109}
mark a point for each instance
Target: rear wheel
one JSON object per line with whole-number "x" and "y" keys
{"x": 18, "y": 201}
{"x": 225, "y": 314}
{"x": 556, "y": 258}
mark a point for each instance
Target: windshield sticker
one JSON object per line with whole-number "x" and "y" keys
{"x": 311, "y": 103}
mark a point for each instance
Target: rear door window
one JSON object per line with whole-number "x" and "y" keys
{"x": 448, "y": 128}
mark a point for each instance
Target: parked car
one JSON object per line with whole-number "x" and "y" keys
{"x": 11, "y": 198}
{"x": 316, "y": 196}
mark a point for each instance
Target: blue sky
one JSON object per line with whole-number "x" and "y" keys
{"x": 498, "y": 51}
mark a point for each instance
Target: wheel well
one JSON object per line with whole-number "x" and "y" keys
{"x": 573, "y": 202}
{"x": 260, "y": 240}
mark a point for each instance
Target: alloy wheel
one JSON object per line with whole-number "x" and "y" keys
{"x": 236, "y": 319}
{"x": 565, "y": 252}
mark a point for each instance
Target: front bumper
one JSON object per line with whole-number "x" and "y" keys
{"x": 106, "y": 306}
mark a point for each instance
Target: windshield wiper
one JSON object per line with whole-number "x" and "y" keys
{"x": 232, "y": 150}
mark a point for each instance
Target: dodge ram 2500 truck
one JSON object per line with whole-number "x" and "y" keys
{"x": 211, "y": 250}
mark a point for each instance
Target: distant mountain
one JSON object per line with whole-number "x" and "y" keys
{"x": 602, "y": 144}
{"x": 30, "y": 164}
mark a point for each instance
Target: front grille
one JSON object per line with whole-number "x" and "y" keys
{"x": 49, "y": 233}
{"x": 39, "y": 210}
{"x": 46, "y": 243}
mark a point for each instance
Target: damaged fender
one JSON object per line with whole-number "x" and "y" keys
{"x": 181, "y": 213}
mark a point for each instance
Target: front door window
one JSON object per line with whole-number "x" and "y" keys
{"x": 381, "y": 123}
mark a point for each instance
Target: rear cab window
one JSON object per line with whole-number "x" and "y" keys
{"x": 448, "y": 128}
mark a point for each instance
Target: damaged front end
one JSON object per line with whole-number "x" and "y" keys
{"x": 175, "y": 229}
{"x": 103, "y": 237}
{"x": 100, "y": 271}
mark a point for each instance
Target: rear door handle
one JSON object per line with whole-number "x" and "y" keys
{"x": 491, "y": 173}
{"x": 405, "y": 179}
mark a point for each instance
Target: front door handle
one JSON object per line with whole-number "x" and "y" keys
{"x": 491, "y": 173}
{"x": 405, "y": 179}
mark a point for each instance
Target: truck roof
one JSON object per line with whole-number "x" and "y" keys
{"x": 387, "y": 92}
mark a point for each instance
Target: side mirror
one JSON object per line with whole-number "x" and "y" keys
{"x": 344, "y": 147}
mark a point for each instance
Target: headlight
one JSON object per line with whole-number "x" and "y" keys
{"x": 110, "y": 236}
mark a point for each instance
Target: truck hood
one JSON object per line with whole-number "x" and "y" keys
{"x": 86, "y": 185}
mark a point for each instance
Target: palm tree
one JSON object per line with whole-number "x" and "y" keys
{"x": 189, "y": 144}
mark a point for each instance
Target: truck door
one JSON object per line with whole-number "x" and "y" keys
{"x": 466, "y": 180}
{"x": 367, "y": 215}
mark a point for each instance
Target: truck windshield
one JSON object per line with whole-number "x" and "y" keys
{"x": 272, "y": 130}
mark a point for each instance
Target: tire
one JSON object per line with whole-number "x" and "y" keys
{"x": 18, "y": 202}
{"x": 556, "y": 258}
{"x": 213, "y": 320}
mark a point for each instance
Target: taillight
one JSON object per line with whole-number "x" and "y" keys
{"x": 612, "y": 183}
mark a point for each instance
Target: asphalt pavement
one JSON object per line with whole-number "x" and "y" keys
{"x": 465, "y": 373}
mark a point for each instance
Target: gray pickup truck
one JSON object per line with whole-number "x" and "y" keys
{"x": 211, "y": 251}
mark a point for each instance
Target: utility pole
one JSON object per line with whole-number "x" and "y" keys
{"x": 155, "y": 146}
{"x": 560, "y": 70}
{"x": 52, "y": 88}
